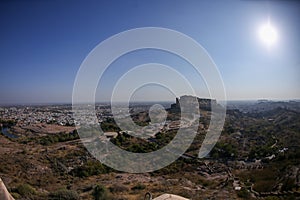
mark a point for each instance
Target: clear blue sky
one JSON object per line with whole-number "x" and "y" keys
{"x": 43, "y": 43}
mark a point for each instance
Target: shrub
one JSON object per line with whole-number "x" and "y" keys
{"x": 64, "y": 194}
{"x": 243, "y": 193}
{"x": 224, "y": 150}
{"x": 288, "y": 184}
{"x": 100, "y": 193}
{"x": 15, "y": 195}
{"x": 264, "y": 185}
{"x": 89, "y": 169}
{"x": 139, "y": 187}
{"x": 271, "y": 198}
{"x": 61, "y": 137}
{"x": 118, "y": 188}
{"x": 25, "y": 190}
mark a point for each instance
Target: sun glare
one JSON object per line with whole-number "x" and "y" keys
{"x": 268, "y": 34}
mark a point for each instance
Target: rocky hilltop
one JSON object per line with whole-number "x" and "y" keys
{"x": 204, "y": 104}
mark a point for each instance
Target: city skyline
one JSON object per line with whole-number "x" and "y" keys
{"x": 44, "y": 43}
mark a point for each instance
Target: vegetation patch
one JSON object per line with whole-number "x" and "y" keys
{"x": 64, "y": 194}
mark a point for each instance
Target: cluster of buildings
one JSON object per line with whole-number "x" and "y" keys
{"x": 58, "y": 114}
{"x": 50, "y": 114}
{"x": 26, "y": 115}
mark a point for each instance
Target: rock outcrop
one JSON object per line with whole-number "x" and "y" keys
{"x": 169, "y": 197}
{"x": 4, "y": 194}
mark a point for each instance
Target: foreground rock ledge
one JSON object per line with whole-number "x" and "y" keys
{"x": 4, "y": 194}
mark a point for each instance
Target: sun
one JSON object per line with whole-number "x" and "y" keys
{"x": 268, "y": 34}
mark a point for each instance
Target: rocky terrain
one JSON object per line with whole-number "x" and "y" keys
{"x": 257, "y": 157}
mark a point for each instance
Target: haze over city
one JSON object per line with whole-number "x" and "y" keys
{"x": 254, "y": 44}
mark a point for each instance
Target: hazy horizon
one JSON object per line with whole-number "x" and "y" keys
{"x": 133, "y": 102}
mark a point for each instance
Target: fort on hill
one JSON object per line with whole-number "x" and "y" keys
{"x": 204, "y": 104}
